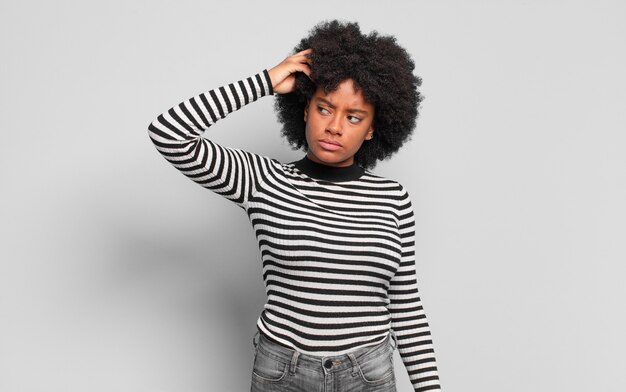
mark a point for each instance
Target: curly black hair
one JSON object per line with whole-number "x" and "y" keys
{"x": 379, "y": 67}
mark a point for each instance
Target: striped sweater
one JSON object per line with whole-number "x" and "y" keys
{"x": 337, "y": 243}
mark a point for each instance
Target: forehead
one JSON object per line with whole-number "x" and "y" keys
{"x": 344, "y": 95}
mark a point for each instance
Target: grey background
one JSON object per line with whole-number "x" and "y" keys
{"x": 118, "y": 273}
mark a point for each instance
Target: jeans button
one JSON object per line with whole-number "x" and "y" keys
{"x": 328, "y": 364}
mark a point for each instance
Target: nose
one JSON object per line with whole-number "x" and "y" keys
{"x": 334, "y": 126}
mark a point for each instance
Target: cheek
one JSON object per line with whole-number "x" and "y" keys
{"x": 357, "y": 141}
{"x": 312, "y": 125}
{"x": 307, "y": 132}
{"x": 357, "y": 144}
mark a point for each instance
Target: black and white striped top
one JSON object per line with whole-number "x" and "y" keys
{"x": 337, "y": 243}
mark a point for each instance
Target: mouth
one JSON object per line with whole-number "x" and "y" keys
{"x": 329, "y": 144}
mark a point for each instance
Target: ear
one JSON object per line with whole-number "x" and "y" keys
{"x": 306, "y": 111}
{"x": 370, "y": 134}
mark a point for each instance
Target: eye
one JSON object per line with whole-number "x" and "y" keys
{"x": 322, "y": 110}
{"x": 354, "y": 119}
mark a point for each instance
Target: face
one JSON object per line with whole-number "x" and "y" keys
{"x": 337, "y": 124}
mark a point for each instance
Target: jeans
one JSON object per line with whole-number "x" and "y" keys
{"x": 279, "y": 368}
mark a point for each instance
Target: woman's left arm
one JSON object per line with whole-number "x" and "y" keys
{"x": 409, "y": 321}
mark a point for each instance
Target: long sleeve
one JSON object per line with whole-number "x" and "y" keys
{"x": 408, "y": 318}
{"x": 177, "y": 135}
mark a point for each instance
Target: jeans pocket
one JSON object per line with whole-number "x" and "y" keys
{"x": 377, "y": 370}
{"x": 267, "y": 368}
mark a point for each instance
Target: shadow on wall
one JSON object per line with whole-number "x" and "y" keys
{"x": 193, "y": 270}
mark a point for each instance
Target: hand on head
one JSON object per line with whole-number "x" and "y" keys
{"x": 283, "y": 75}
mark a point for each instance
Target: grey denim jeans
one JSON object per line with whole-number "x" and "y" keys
{"x": 278, "y": 368}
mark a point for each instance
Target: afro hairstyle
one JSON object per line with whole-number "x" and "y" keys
{"x": 379, "y": 68}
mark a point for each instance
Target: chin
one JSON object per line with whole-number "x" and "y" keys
{"x": 329, "y": 157}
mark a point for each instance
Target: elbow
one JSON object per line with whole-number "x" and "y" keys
{"x": 150, "y": 132}
{"x": 153, "y": 131}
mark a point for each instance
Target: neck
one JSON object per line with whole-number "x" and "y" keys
{"x": 326, "y": 172}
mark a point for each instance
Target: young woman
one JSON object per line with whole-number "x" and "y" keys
{"x": 336, "y": 241}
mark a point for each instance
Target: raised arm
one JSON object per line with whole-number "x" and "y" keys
{"x": 408, "y": 318}
{"x": 177, "y": 135}
{"x": 233, "y": 173}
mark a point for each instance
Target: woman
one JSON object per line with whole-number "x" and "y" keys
{"x": 336, "y": 241}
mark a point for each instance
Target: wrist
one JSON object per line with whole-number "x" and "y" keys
{"x": 268, "y": 79}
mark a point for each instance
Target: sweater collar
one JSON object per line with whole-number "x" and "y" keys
{"x": 329, "y": 173}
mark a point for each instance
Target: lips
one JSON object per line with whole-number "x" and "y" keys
{"x": 329, "y": 145}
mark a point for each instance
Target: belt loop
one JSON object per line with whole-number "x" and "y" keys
{"x": 355, "y": 364}
{"x": 255, "y": 338}
{"x": 294, "y": 360}
{"x": 394, "y": 338}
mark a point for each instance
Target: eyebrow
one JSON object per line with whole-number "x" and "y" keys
{"x": 332, "y": 106}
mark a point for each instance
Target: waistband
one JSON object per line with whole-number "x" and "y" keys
{"x": 328, "y": 363}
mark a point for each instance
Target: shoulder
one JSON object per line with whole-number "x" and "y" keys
{"x": 395, "y": 189}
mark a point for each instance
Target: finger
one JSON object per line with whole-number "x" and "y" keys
{"x": 300, "y": 61}
{"x": 305, "y": 53}
{"x": 307, "y": 71}
{"x": 305, "y": 57}
{"x": 301, "y": 68}
{"x": 302, "y": 57}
